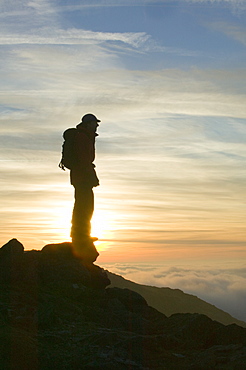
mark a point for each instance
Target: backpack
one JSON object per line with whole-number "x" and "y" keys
{"x": 69, "y": 157}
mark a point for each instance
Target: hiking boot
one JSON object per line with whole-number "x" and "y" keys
{"x": 85, "y": 250}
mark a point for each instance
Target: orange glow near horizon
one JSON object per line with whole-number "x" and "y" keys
{"x": 58, "y": 223}
{"x": 126, "y": 233}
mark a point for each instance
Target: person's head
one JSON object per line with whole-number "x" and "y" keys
{"x": 89, "y": 122}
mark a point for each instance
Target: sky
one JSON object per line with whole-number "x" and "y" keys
{"x": 167, "y": 80}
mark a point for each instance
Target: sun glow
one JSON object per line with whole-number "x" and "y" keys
{"x": 101, "y": 227}
{"x": 101, "y": 224}
{"x": 61, "y": 221}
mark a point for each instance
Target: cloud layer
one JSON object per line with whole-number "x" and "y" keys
{"x": 222, "y": 286}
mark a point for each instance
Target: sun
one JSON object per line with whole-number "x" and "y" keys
{"x": 101, "y": 227}
{"x": 59, "y": 220}
{"x": 101, "y": 224}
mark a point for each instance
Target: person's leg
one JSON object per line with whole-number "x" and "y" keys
{"x": 82, "y": 212}
{"x": 83, "y": 246}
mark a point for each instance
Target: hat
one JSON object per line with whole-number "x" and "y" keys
{"x": 89, "y": 117}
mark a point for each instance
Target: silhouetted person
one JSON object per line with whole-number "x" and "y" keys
{"x": 83, "y": 177}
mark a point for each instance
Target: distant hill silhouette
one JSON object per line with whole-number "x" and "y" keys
{"x": 57, "y": 313}
{"x": 170, "y": 301}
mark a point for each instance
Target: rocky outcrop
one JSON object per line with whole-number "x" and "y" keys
{"x": 56, "y": 313}
{"x": 54, "y": 263}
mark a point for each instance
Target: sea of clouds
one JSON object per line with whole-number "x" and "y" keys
{"x": 224, "y": 287}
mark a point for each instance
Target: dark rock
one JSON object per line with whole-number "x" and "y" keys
{"x": 54, "y": 264}
{"x": 11, "y": 257}
{"x": 198, "y": 331}
{"x": 131, "y": 300}
{"x": 55, "y": 313}
{"x": 18, "y": 349}
{"x": 60, "y": 263}
{"x": 13, "y": 248}
{"x": 59, "y": 250}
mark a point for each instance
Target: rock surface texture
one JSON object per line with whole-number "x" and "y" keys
{"x": 56, "y": 313}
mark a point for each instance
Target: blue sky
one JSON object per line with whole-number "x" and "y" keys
{"x": 167, "y": 80}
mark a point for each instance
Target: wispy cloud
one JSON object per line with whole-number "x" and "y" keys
{"x": 73, "y": 37}
{"x": 94, "y": 74}
{"x": 235, "y": 31}
{"x": 138, "y": 41}
{"x": 27, "y": 14}
{"x": 234, "y": 4}
{"x": 37, "y": 11}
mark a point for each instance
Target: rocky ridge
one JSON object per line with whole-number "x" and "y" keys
{"x": 56, "y": 313}
{"x": 170, "y": 301}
